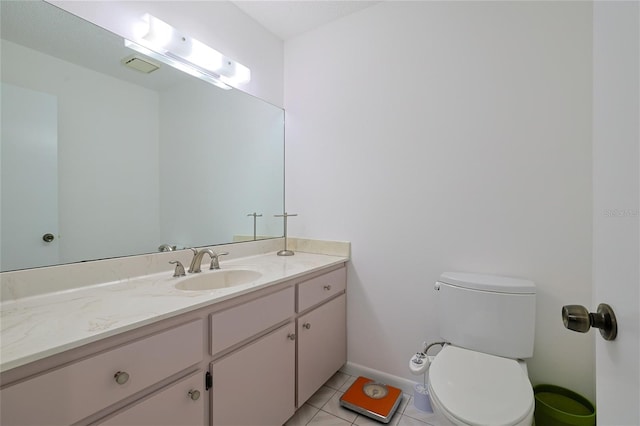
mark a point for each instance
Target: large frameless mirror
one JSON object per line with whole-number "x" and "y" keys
{"x": 104, "y": 156}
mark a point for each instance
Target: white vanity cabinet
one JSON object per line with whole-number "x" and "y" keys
{"x": 321, "y": 331}
{"x": 246, "y": 360}
{"x": 255, "y": 383}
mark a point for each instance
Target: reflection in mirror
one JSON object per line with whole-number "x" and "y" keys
{"x": 114, "y": 161}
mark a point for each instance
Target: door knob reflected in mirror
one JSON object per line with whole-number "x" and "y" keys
{"x": 578, "y": 318}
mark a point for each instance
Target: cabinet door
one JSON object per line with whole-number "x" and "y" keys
{"x": 322, "y": 346}
{"x": 181, "y": 403}
{"x": 255, "y": 384}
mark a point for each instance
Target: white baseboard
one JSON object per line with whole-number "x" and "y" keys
{"x": 401, "y": 383}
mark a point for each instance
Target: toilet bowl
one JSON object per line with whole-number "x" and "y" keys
{"x": 479, "y": 377}
{"x": 473, "y": 388}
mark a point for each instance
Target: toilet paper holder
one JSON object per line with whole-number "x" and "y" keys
{"x": 578, "y": 318}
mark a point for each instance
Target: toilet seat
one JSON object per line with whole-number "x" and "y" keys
{"x": 478, "y": 389}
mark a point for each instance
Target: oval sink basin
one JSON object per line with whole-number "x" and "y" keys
{"x": 218, "y": 279}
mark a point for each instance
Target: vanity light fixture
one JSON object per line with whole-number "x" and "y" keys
{"x": 208, "y": 77}
{"x": 159, "y": 40}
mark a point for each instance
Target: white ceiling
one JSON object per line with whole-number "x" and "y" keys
{"x": 287, "y": 19}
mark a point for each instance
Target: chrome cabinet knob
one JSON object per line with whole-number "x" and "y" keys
{"x": 292, "y": 336}
{"x": 121, "y": 377}
{"x": 306, "y": 325}
{"x": 194, "y": 394}
{"x": 327, "y": 287}
{"x": 578, "y": 318}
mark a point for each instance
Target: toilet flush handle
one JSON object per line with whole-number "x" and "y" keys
{"x": 578, "y": 318}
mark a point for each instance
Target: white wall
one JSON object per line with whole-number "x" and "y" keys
{"x": 441, "y": 136}
{"x": 220, "y": 24}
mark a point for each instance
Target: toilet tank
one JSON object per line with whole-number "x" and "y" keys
{"x": 487, "y": 313}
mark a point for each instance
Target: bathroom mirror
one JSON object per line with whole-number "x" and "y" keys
{"x": 100, "y": 159}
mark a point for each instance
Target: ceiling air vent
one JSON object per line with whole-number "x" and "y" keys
{"x": 140, "y": 64}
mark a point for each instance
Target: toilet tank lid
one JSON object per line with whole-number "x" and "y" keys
{"x": 493, "y": 283}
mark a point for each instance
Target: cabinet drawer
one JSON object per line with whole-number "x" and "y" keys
{"x": 239, "y": 323}
{"x": 71, "y": 393}
{"x": 318, "y": 289}
{"x": 174, "y": 405}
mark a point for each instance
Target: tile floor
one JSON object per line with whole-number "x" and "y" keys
{"x": 323, "y": 409}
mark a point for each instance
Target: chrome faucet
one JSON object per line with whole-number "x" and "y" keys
{"x": 196, "y": 262}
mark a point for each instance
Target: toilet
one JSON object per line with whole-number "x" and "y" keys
{"x": 479, "y": 377}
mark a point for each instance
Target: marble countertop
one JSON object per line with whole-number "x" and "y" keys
{"x": 36, "y": 327}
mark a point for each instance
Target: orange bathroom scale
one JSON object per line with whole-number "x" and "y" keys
{"x": 372, "y": 399}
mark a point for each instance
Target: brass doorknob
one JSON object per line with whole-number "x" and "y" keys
{"x": 578, "y": 318}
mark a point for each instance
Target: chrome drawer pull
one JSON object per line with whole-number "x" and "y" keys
{"x": 121, "y": 377}
{"x": 306, "y": 325}
{"x": 327, "y": 287}
{"x": 194, "y": 394}
{"x": 291, "y": 336}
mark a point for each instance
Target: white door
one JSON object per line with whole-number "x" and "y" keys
{"x": 616, "y": 132}
{"x": 29, "y": 167}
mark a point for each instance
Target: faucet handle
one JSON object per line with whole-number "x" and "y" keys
{"x": 179, "y": 271}
{"x": 214, "y": 260}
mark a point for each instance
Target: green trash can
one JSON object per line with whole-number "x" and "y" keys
{"x": 557, "y": 406}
